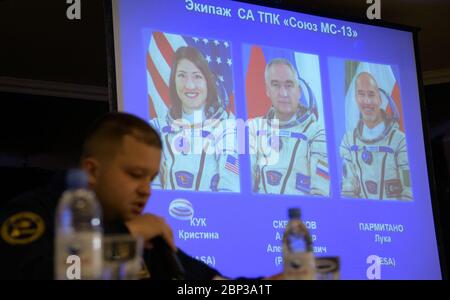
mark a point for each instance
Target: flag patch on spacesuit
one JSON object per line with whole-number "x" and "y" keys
{"x": 406, "y": 179}
{"x": 273, "y": 177}
{"x": 232, "y": 164}
{"x": 184, "y": 179}
{"x": 393, "y": 188}
{"x": 303, "y": 182}
{"x": 371, "y": 186}
{"x": 322, "y": 170}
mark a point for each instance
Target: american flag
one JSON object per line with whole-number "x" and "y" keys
{"x": 159, "y": 62}
{"x": 232, "y": 164}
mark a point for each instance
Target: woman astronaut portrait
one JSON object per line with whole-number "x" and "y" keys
{"x": 198, "y": 133}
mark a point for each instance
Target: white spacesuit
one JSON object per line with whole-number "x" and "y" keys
{"x": 375, "y": 166}
{"x": 198, "y": 154}
{"x": 289, "y": 157}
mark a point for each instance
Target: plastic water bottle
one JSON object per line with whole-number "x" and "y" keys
{"x": 78, "y": 231}
{"x": 298, "y": 256}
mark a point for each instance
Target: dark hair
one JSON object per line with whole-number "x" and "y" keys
{"x": 193, "y": 55}
{"x": 108, "y": 131}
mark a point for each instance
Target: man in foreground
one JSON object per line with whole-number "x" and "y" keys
{"x": 121, "y": 156}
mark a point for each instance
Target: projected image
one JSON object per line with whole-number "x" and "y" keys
{"x": 190, "y": 89}
{"x": 373, "y": 149}
{"x": 287, "y": 142}
{"x": 262, "y": 110}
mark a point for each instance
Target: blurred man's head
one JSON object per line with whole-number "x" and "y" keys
{"x": 121, "y": 156}
{"x": 368, "y": 99}
{"x": 282, "y": 87}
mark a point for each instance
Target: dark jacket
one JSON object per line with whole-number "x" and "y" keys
{"x": 27, "y": 238}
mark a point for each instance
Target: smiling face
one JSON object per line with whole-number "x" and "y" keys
{"x": 191, "y": 86}
{"x": 368, "y": 99}
{"x": 283, "y": 90}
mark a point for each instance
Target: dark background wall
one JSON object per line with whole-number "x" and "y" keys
{"x": 53, "y": 84}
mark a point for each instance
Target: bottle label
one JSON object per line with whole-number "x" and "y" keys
{"x": 299, "y": 266}
{"x": 87, "y": 246}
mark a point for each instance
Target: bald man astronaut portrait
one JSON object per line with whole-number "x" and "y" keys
{"x": 374, "y": 153}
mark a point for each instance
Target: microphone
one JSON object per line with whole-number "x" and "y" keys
{"x": 170, "y": 259}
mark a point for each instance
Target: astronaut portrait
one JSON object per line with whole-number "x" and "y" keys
{"x": 287, "y": 141}
{"x": 190, "y": 91}
{"x": 373, "y": 150}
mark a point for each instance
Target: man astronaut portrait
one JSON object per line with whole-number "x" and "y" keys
{"x": 374, "y": 154}
{"x": 287, "y": 145}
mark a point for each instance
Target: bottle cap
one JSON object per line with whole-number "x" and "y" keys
{"x": 76, "y": 179}
{"x": 294, "y": 213}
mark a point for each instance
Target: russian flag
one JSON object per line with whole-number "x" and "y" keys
{"x": 255, "y": 60}
{"x": 322, "y": 170}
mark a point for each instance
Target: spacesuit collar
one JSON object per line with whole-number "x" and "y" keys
{"x": 197, "y": 116}
{"x": 300, "y": 116}
{"x": 292, "y": 119}
{"x": 389, "y": 124}
{"x": 371, "y": 133}
{"x": 182, "y": 123}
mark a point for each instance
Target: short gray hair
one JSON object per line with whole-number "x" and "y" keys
{"x": 280, "y": 61}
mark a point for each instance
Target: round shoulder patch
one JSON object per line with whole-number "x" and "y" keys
{"x": 22, "y": 228}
